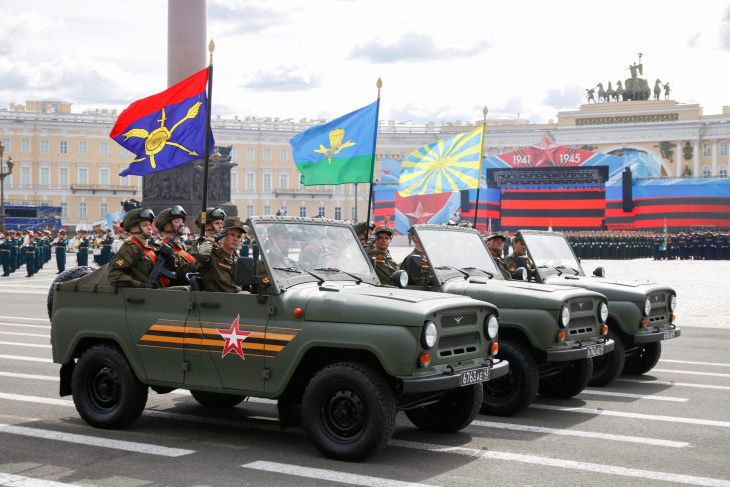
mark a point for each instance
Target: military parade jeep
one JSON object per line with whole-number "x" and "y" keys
{"x": 640, "y": 315}
{"x": 340, "y": 352}
{"x": 547, "y": 334}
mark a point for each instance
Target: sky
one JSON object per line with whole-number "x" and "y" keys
{"x": 439, "y": 61}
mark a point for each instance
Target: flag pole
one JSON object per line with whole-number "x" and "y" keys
{"x": 481, "y": 158}
{"x": 379, "y": 84}
{"x": 211, "y": 48}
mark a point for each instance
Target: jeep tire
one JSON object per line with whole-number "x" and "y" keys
{"x": 645, "y": 358}
{"x": 65, "y": 276}
{"x": 608, "y": 366}
{"x": 570, "y": 381}
{"x": 216, "y": 399}
{"x": 106, "y": 392}
{"x": 515, "y": 391}
{"x": 348, "y": 411}
{"x": 454, "y": 412}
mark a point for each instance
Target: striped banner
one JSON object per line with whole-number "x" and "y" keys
{"x": 566, "y": 209}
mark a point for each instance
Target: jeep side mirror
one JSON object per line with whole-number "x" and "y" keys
{"x": 400, "y": 278}
{"x": 244, "y": 271}
{"x": 413, "y": 267}
{"x": 520, "y": 274}
{"x": 599, "y": 272}
{"x": 522, "y": 261}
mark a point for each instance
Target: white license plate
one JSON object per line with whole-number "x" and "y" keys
{"x": 596, "y": 350}
{"x": 474, "y": 376}
{"x": 669, "y": 334}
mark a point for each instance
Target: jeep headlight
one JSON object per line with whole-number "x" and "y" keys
{"x": 603, "y": 312}
{"x": 647, "y": 307}
{"x": 672, "y": 303}
{"x": 491, "y": 327}
{"x": 564, "y": 317}
{"x": 429, "y": 335}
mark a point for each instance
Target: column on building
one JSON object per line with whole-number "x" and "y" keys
{"x": 679, "y": 158}
{"x": 714, "y": 157}
{"x": 696, "y": 162}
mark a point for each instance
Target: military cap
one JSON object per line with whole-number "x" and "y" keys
{"x": 277, "y": 229}
{"x": 234, "y": 223}
{"x": 62, "y": 231}
{"x": 211, "y": 214}
{"x": 138, "y": 215}
{"x": 518, "y": 237}
{"x": 383, "y": 229}
{"x": 412, "y": 231}
{"x": 497, "y": 235}
{"x": 167, "y": 215}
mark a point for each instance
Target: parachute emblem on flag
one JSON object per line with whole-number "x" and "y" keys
{"x": 336, "y": 144}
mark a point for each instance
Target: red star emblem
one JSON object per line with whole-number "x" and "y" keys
{"x": 419, "y": 216}
{"x": 233, "y": 338}
{"x": 386, "y": 170}
{"x": 545, "y": 152}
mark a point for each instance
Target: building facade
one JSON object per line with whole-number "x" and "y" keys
{"x": 67, "y": 159}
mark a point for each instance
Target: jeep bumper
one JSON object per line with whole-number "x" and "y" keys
{"x": 444, "y": 382}
{"x": 657, "y": 336}
{"x": 587, "y": 351}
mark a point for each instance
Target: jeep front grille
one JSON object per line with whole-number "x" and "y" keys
{"x": 580, "y": 326}
{"x": 458, "y": 344}
{"x": 450, "y": 321}
{"x": 581, "y": 305}
{"x": 658, "y": 314}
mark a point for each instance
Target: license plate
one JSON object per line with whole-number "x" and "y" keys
{"x": 474, "y": 376}
{"x": 596, "y": 350}
{"x": 669, "y": 334}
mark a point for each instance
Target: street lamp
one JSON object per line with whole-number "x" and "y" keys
{"x": 3, "y": 175}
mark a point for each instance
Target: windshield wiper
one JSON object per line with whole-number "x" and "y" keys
{"x": 444, "y": 267}
{"x": 299, "y": 270}
{"x": 332, "y": 269}
{"x": 551, "y": 267}
{"x": 569, "y": 267}
{"x": 491, "y": 275}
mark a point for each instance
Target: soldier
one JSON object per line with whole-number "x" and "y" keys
{"x": 696, "y": 242}
{"x": 217, "y": 258}
{"x": 106, "y": 247}
{"x": 363, "y": 233}
{"x": 82, "y": 256}
{"x": 425, "y": 267}
{"x": 278, "y": 253}
{"x": 5, "y": 248}
{"x": 719, "y": 239}
{"x": 29, "y": 250}
{"x": 385, "y": 266}
{"x": 520, "y": 250}
{"x": 133, "y": 263}
{"x": 495, "y": 244}
{"x": 213, "y": 224}
{"x": 59, "y": 244}
{"x": 709, "y": 245}
{"x": 313, "y": 249}
{"x": 245, "y": 244}
{"x": 170, "y": 223}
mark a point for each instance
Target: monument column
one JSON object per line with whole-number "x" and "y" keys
{"x": 714, "y": 157}
{"x": 679, "y": 158}
{"x": 696, "y": 161}
{"x": 186, "y": 39}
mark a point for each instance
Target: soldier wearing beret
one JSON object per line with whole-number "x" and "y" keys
{"x": 217, "y": 258}
{"x": 385, "y": 266}
{"x": 495, "y": 244}
{"x": 425, "y": 267}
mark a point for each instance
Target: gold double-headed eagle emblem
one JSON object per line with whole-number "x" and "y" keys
{"x": 159, "y": 138}
{"x": 336, "y": 144}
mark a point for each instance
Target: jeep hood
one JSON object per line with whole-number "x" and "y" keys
{"x": 612, "y": 289}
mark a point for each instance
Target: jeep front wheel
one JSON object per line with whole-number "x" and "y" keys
{"x": 454, "y": 412}
{"x": 570, "y": 381}
{"x": 510, "y": 394}
{"x": 217, "y": 400}
{"x": 644, "y": 359}
{"x": 348, "y": 411}
{"x": 106, "y": 392}
{"x": 608, "y": 366}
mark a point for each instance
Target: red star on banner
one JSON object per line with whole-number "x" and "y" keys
{"x": 419, "y": 216}
{"x": 386, "y": 170}
{"x": 233, "y": 338}
{"x": 545, "y": 152}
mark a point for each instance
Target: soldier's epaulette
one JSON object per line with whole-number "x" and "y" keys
{"x": 128, "y": 240}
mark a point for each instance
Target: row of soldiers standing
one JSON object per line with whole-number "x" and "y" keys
{"x": 611, "y": 245}
{"x": 696, "y": 246}
{"x": 31, "y": 248}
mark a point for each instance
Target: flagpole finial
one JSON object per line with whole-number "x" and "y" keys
{"x": 379, "y": 84}
{"x": 211, "y": 48}
{"x": 485, "y": 111}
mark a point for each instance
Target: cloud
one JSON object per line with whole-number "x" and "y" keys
{"x": 566, "y": 97}
{"x": 20, "y": 30}
{"x": 725, "y": 31}
{"x": 244, "y": 19}
{"x": 412, "y": 47}
{"x": 693, "y": 40}
{"x": 283, "y": 78}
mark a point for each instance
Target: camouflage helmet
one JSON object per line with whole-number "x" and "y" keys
{"x": 383, "y": 229}
{"x": 234, "y": 223}
{"x": 497, "y": 235}
{"x": 167, "y": 215}
{"x": 138, "y": 215}
{"x": 359, "y": 227}
{"x": 211, "y": 214}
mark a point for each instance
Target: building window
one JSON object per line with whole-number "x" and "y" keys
{"x": 6, "y": 143}
{"x": 234, "y": 154}
{"x": 387, "y": 154}
{"x": 249, "y": 154}
{"x": 45, "y": 176}
{"x": 63, "y": 177}
{"x": 44, "y": 148}
{"x": 83, "y": 175}
{"x": 124, "y": 152}
{"x": 123, "y": 180}
{"x": 284, "y": 180}
{"x": 283, "y": 155}
{"x": 64, "y": 210}
{"x": 25, "y": 146}
{"x": 83, "y": 149}
{"x": 321, "y": 211}
{"x": 25, "y": 178}
{"x": 104, "y": 209}
{"x": 705, "y": 149}
{"x": 103, "y": 176}
{"x": 249, "y": 211}
{"x": 234, "y": 179}
{"x": 250, "y": 180}
{"x": 267, "y": 155}
{"x": 267, "y": 182}
{"x": 9, "y": 177}
{"x": 302, "y": 211}
{"x": 706, "y": 172}
{"x": 352, "y": 213}
{"x": 302, "y": 185}
{"x": 63, "y": 148}
{"x": 104, "y": 149}
{"x": 267, "y": 210}
{"x": 493, "y": 152}
{"x": 402, "y": 156}
{"x": 722, "y": 171}
{"x": 338, "y": 213}
{"x": 723, "y": 148}
{"x": 284, "y": 210}
{"x": 321, "y": 186}
{"x": 82, "y": 211}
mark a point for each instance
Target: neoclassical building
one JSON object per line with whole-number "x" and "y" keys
{"x": 67, "y": 159}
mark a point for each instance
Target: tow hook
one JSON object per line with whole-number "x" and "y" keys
{"x": 449, "y": 370}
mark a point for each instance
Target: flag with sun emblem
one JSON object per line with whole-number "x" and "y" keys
{"x": 166, "y": 129}
{"x": 444, "y": 166}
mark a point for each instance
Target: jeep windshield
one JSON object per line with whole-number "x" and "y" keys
{"x": 297, "y": 252}
{"x": 552, "y": 254}
{"x": 452, "y": 253}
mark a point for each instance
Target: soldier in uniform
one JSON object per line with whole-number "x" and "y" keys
{"x": 82, "y": 256}
{"x": 718, "y": 245}
{"x": 313, "y": 249}
{"x": 5, "y": 248}
{"x": 213, "y": 224}
{"x": 29, "y": 250}
{"x": 495, "y": 244}
{"x": 520, "y": 250}
{"x": 278, "y": 253}
{"x": 131, "y": 265}
{"x": 59, "y": 244}
{"x": 217, "y": 258}
{"x": 106, "y": 247}
{"x": 709, "y": 245}
{"x": 385, "y": 266}
{"x": 170, "y": 223}
{"x": 245, "y": 244}
{"x": 425, "y": 267}
{"x": 363, "y": 233}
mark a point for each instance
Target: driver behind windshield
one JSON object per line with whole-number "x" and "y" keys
{"x": 385, "y": 266}
{"x": 520, "y": 251}
{"x": 495, "y": 244}
{"x": 277, "y": 252}
{"x": 425, "y": 268}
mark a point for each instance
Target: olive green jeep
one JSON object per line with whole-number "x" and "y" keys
{"x": 548, "y": 334}
{"x": 640, "y": 315}
{"x": 340, "y": 352}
